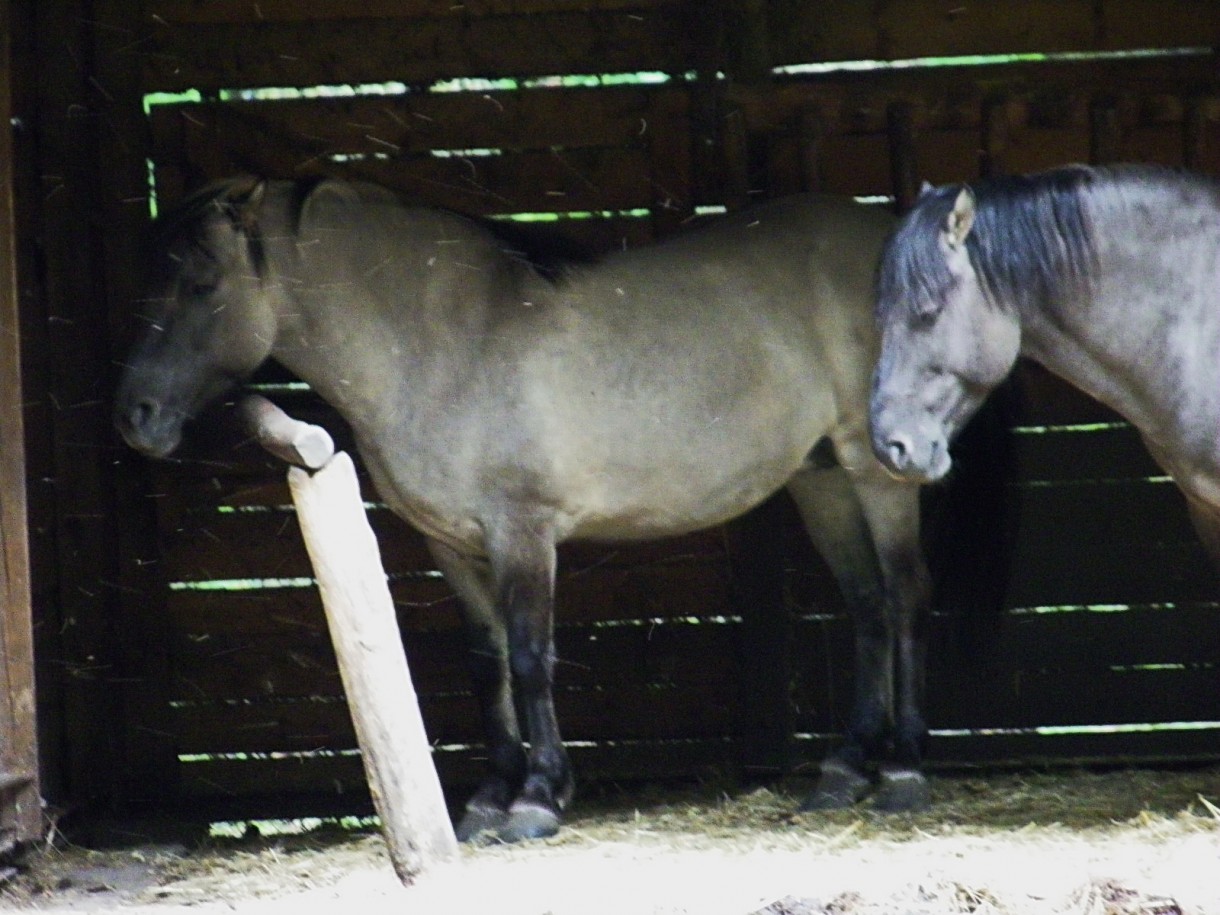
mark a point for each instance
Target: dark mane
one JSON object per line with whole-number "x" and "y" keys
{"x": 1031, "y": 242}
{"x": 184, "y": 221}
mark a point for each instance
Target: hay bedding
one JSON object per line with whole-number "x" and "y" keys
{"x": 1119, "y": 843}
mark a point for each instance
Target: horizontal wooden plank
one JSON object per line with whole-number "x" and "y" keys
{"x": 1127, "y": 542}
{"x": 205, "y": 544}
{"x": 209, "y": 56}
{"x": 569, "y": 181}
{"x": 320, "y": 11}
{"x": 697, "y": 710}
{"x": 268, "y": 786}
{"x": 680, "y": 587}
{"x": 1032, "y": 670}
{"x": 254, "y": 666}
{"x": 1107, "y": 637}
{"x": 274, "y": 781}
{"x": 845, "y": 30}
{"x": 1086, "y": 452}
{"x": 835, "y": 31}
{"x": 398, "y": 125}
{"x": 1036, "y": 96}
{"x": 1074, "y": 698}
{"x": 1109, "y": 749}
{"x": 1042, "y": 399}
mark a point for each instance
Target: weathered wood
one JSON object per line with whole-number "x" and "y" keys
{"x": 1105, "y": 132}
{"x": 253, "y": 11}
{"x": 945, "y": 98}
{"x": 597, "y": 596}
{"x": 274, "y": 782}
{"x": 211, "y": 56}
{"x": 765, "y": 709}
{"x": 275, "y": 666}
{"x": 385, "y": 711}
{"x": 203, "y": 543}
{"x": 904, "y": 162}
{"x": 70, "y": 229}
{"x": 298, "y": 443}
{"x": 632, "y": 712}
{"x": 538, "y": 119}
{"x": 20, "y": 810}
{"x": 810, "y": 132}
{"x": 847, "y": 30}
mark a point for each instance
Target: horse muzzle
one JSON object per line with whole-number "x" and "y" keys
{"x": 914, "y": 452}
{"x": 148, "y": 427}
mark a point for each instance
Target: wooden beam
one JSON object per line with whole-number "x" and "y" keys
{"x": 20, "y": 811}
{"x": 360, "y": 613}
{"x": 254, "y": 11}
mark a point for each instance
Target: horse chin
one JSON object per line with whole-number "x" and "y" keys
{"x": 918, "y": 475}
{"x": 153, "y": 443}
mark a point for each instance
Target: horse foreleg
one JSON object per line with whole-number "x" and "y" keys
{"x": 836, "y": 524}
{"x": 892, "y": 510}
{"x": 523, "y": 558}
{"x": 487, "y": 644}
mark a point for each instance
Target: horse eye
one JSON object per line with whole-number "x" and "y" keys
{"x": 199, "y": 289}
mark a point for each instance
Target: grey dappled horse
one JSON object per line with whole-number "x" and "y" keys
{"x": 1109, "y": 277}
{"x": 501, "y": 410}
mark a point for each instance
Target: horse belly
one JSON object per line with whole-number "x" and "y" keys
{"x": 674, "y": 484}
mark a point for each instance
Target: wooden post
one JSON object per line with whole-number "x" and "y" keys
{"x": 20, "y": 807}
{"x": 360, "y": 613}
{"x": 904, "y": 168}
{"x": 1105, "y": 132}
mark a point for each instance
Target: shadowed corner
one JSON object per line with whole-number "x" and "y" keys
{"x": 971, "y": 522}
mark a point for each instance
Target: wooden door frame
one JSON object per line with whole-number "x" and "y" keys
{"x": 20, "y": 804}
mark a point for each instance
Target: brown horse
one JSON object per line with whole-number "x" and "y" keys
{"x": 1108, "y": 277}
{"x": 501, "y": 410}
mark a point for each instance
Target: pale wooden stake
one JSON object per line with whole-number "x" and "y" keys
{"x": 360, "y": 614}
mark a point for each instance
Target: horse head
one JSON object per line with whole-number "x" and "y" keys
{"x": 946, "y": 343}
{"x": 209, "y": 325}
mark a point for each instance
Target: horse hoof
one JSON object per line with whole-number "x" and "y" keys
{"x": 481, "y": 824}
{"x": 902, "y": 791}
{"x": 839, "y": 787}
{"x": 528, "y": 821}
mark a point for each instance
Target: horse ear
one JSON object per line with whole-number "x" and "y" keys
{"x": 241, "y": 201}
{"x": 961, "y": 218}
{"x": 926, "y": 187}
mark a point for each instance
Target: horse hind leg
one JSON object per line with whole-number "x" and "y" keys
{"x": 486, "y": 812}
{"x": 839, "y": 531}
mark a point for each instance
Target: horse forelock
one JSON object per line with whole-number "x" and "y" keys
{"x": 185, "y": 225}
{"x": 913, "y": 278}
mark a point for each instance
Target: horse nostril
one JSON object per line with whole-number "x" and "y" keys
{"x": 141, "y": 414}
{"x": 898, "y": 450}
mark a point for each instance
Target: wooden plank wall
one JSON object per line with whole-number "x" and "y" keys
{"x": 20, "y": 811}
{"x": 235, "y": 700}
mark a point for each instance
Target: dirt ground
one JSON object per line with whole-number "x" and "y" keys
{"x": 1132, "y": 842}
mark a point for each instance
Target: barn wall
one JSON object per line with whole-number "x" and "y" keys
{"x": 211, "y": 693}
{"x": 20, "y": 812}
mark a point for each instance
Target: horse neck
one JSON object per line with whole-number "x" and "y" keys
{"x": 1115, "y": 339}
{"x": 415, "y": 323}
